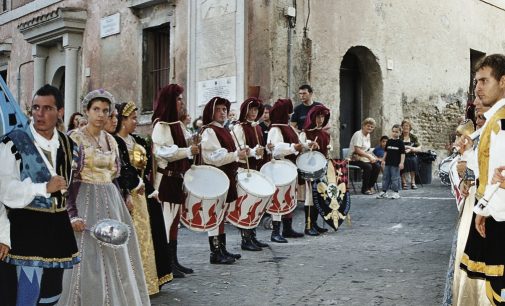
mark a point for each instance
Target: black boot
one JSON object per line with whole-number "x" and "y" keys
{"x": 287, "y": 229}
{"x": 309, "y": 225}
{"x": 276, "y": 233}
{"x": 256, "y": 241}
{"x": 315, "y": 215}
{"x": 222, "y": 239}
{"x": 175, "y": 261}
{"x": 247, "y": 243}
{"x": 216, "y": 253}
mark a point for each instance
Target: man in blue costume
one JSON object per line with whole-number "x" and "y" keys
{"x": 36, "y": 168}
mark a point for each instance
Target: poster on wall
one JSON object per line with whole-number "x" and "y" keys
{"x": 223, "y": 87}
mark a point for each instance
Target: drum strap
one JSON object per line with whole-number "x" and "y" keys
{"x": 168, "y": 172}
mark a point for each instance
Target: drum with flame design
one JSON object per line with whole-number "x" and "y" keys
{"x": 283, "y": 174}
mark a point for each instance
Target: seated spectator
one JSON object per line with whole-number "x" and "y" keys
{"x": 361, "y": 155}
{"x": 412, "y": 146}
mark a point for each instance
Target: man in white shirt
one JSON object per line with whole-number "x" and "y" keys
{"x": 36, "y": 166}
{"x": 484, "y": 256}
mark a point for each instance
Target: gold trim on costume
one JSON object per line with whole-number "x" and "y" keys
{"x": 481, "y": 267}
{"x": 483, "y": 150}
{"x": 38, "y": 258}
{"x": 165, "y": 279}
{"x": 53, "y": 209}
{"x": 492, "y": 295}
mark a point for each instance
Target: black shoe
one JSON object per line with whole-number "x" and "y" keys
{"x": 315, "y": 215}
{"x": 222, "y": 239}
{"x": 310, "y": 230}
{"x": 320, "y": 229}
{"x": 177, "y": 273}
{"x": 217, "y": 256}
{"x": 287, "y": 229}
{"x": 172, "y": 245}
{"x": 247, "y": 243}
{"x": 276, "y": 233}
{"x": 256, "y": 241}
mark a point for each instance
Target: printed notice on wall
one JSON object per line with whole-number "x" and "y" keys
{"x": 109, "y": 25}
{"x": 222, "y": 87}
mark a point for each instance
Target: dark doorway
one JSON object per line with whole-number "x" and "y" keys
{"x": 350, "y": 98}
{"x": 361, "y": 90}
{"x": 475, "y": 56}
{"x": 59, "y": 80}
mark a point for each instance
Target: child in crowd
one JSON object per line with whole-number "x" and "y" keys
{"x": 380, "y": 148}
{"x": 394, "y": 156}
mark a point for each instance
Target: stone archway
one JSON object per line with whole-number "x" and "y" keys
{"x": 361, "y": 92}
{"x": 58, "y": 80}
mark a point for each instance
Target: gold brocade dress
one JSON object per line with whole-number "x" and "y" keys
{"x": 106, "y": 275}
{"x": 140, "y": 216}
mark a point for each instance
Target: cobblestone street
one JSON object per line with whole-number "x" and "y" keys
{"x": 395, "y": 253}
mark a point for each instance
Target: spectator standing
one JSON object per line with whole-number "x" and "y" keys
{"x": 412, "y": 146}
{"x": 265, "y": 122}
{"x": 394, "y": 157}
{"x": 300, "y": 112}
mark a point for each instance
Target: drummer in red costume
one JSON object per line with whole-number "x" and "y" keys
{"x": 250, "y": 134}
{"x": 283, "y": 141}
{"x": 172, "y": 154}
{"x": 219, "y": 150}
{"x": 319, "y": 139}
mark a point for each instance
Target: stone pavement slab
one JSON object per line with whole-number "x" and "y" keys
{"x": 394, "y": 253}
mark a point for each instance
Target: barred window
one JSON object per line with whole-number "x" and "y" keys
{"x": 155, "y": 63}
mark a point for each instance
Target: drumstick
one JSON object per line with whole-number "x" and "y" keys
{"x": 239, "y": 146}
{"x": 254, "y": 124}
{"x": 315, "y": 140}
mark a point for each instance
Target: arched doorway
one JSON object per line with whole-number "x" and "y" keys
{"x": 361, "y": 89}
{"x": 59, "y": 79}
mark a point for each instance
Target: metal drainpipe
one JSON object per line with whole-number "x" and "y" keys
{"x": 290, "y": 64}
{"x": 19, "y": 80}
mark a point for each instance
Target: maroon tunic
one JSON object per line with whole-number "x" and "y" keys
{"x": 323, "y": 139}
{"x": 226, "y": 141}
{"x": 252, "y": 140}
{"x": 171, "y": 186}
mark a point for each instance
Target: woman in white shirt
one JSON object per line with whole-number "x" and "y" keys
{"x": 361, "y": 155}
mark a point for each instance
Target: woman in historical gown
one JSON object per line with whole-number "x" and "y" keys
{"x": 147, "y": 213}
{"x": 106, "y": 275}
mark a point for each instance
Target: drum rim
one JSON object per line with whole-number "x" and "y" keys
{"x": 283, "y": 161}
{"x": 324, "y": 168}
{"x": 262, "y": 175}
{"x": 206, "y": 197}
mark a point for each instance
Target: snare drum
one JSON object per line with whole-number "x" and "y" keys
{"x": 283, "y": 174}
{"x": 205, "y": 203}
{"x": 311, "y": 165}
{"x": 255, "y": 192}
{"x": 443, "y": 170}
